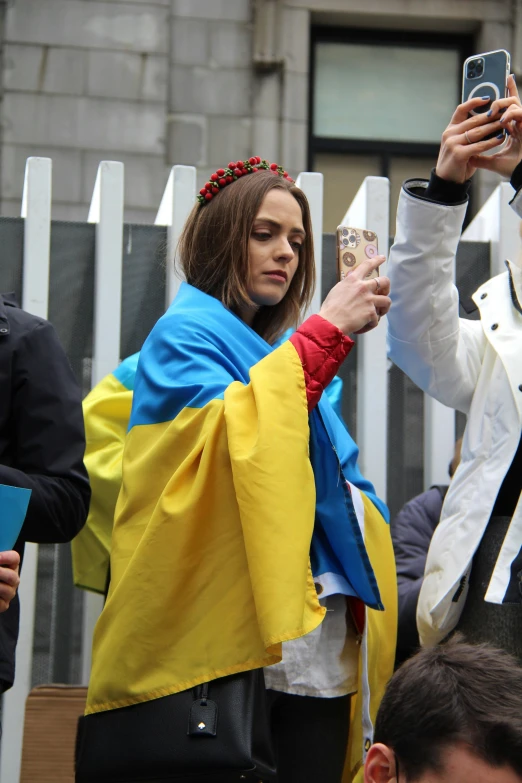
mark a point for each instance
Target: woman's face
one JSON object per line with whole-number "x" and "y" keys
{"x": 273, "y": 249}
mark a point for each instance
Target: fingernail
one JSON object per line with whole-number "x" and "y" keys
{"x": 514, "y": 77}
{"x": 500, "y": 136}
{"x": 485, "y": 97}
{"x": 490, "y": 112}
{"x": 507, "y": 132}
{"x": 502, "y": 119}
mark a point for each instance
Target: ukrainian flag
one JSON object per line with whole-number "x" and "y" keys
{"x": 106, "y": 412}
{"x": 231, "y": 495}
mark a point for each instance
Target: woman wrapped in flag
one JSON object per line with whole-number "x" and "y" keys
{"x": 244, "y": 534}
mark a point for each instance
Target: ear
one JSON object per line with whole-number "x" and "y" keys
{"x": 380, "y": 765}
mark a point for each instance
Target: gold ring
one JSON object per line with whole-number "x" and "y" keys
{"x": 378, "y": 285}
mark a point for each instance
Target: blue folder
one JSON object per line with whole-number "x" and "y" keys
{"x": 13, "y": 508}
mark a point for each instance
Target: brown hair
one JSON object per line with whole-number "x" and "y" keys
{"x": 213, "y": 251}
{"x": 450, "y": 694}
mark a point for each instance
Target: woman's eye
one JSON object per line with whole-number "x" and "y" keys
{"x": 261, "y": 235}
{"x": 297, "y": 246}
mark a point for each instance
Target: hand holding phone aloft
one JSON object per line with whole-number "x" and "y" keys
{"x": 464, "y": 139}
{"x": 477, "y": 128}
{"x": 357, "y": 302}
{"x": 509, "y": 115}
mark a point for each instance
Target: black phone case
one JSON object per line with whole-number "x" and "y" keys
{"x": 492, "y": 83}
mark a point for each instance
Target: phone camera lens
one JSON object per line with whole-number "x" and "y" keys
{"x": 475, "y": 69}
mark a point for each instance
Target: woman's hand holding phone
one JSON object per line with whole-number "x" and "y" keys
{"x": 356, "y": 304}
{"x": 464, "y": 141}
{"x": 509, "y": 112}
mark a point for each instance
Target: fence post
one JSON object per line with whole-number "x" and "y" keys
{"x": 178, "y": 199}
{"x": 370, "y": 210}
{"x": 36, "y": 210}
{"x": 312, "y": 185}
{"x": 439, "y": 441}
{"x": 106, "y": 212}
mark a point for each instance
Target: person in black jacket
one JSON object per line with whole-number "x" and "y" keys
{"x": 42, "y": 444}
{"x": 411, "y": 530}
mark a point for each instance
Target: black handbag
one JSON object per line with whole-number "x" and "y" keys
{"x": 218, "y": 732}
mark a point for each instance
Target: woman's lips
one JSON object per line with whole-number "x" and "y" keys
{"x": 275, "y": 274}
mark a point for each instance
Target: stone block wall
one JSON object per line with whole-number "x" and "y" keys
{"x": 158, "y": 82}
{"x": 148, "y": 82}
{"x": 211, "y": 82}
{"x": 86, "y": 81}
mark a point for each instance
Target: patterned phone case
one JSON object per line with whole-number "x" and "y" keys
{"x": 355, "y": 245}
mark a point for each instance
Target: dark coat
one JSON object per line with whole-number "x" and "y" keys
{"x": 42, "y": 443}
{"x": 411, "y": 532}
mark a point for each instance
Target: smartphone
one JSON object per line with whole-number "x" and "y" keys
{"x": 486, "y": 74}
{"x": 355, "y": 245}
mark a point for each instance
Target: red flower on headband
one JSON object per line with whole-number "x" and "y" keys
{"x": 236, "y": 169}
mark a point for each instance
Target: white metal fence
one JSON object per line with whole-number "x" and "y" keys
{"x": 495, "y": 226}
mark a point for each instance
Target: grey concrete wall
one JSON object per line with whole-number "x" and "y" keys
{"x": 149, "y": 83}
{"x": 211, "y": 81}
{"x": 86, "y": 81}
{"x": 158, "y": 82}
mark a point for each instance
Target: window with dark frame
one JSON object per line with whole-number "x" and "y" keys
{"x": 379, "y": 101}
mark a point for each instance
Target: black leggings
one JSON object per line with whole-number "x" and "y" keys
{"x": 310, "y": 737}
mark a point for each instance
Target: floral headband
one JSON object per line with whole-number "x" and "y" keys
{"x": 223, "y": 177}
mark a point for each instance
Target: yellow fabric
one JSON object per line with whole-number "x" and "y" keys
{"x": 381, "y": 629}
{"x": 204, "y": 585}
{"x": 106, "y": 414}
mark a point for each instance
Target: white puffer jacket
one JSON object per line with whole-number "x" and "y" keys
{"x": 473, "y": 366}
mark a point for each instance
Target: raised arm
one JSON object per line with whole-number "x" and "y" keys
{"x": 439, "y": 351}
{"x": 427, "y": 340}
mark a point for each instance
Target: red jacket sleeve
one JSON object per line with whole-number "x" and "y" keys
{"x": 322, "y": 348}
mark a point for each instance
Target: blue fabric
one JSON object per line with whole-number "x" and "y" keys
{"x": 212, "y": 349}
{"x": 334, "y": 392}
{"x": 126, "y": 372}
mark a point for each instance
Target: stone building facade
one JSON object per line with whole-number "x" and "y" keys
{"x": 158, "y": 82}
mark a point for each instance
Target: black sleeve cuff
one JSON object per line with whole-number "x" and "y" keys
{"x": 443, "y": 191}
{"x": 516, "y": 177}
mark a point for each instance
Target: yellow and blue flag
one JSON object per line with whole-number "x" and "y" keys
{"x": 106, "y": 413}
{"x": 107, "y": 410}
{"x": 234, "y": 501}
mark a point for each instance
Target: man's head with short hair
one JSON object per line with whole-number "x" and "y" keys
{"x": 450, "y": 714}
